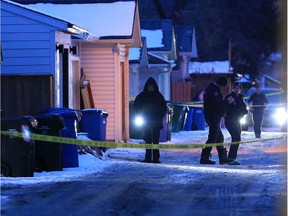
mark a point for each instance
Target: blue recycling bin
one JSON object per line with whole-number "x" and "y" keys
{"x": 198, "y": 119}
{"x": 189, "y": 119}
{"x": 94, "y": 122}
{"x": 70, "y": 118}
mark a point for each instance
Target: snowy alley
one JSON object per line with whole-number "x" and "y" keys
{"x": 120, "y": 185}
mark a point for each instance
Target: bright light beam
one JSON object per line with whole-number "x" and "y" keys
{"x": 139, "y": 121}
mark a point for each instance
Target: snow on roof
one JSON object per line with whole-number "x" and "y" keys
{"x": 154, "y": 38}
{"x": 40, "y": 12}
{"x": 209, "y": 67}
{"x": 102, "y": 19}
{"x": 155, "y": 59}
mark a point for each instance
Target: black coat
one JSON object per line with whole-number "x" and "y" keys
{"x": 214, "y": 106}
{"x": 150, "y": 105}
{"x": 235, "y": 110}
{"x": 259, "y": 101}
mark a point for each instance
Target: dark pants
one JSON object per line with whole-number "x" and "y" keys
{"x": 215, "y": 134}
{"x": 257, "y": 120}
{"x": 152, "y": 136}
{"x": 234, "y": 128}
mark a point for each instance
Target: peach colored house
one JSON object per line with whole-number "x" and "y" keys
{"x": 105, "y": 64}
{"x": 104, "y": 56}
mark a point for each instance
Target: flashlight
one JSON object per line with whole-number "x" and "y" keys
{"x": 139, "y": 121}
{"x": 243, "y": 120}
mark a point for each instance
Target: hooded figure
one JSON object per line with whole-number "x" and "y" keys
{"x": 151, "y": 106}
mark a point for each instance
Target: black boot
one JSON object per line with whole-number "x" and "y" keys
{"x": 223, "y": 159}
{"x": 205, "y": 155}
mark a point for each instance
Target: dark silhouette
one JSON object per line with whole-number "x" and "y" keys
{"x": 151, "y": 106}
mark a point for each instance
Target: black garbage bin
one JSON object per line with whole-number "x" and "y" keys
{"x": 94, "y": 122}
{"x": 71, "y": 118}
{"x": 17, "y": 154}
{"x": 48, "y": 155}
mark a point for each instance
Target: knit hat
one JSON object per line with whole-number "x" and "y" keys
{"x": 237, "y": 84}
{"x": 222, "y": 81}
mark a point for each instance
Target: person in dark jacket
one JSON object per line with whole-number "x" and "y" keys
{"x": 236, "y": 109}
{"x": 214, "y": 110}
{"x": 258, "y": 103}
{"x": 151, "y": 106}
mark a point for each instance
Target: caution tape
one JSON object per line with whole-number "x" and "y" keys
{"x": 199, "y": 104}
{"x": 270, "y": 105}
{"x": 270, "y": 94}
{"x": 64, "y": 140}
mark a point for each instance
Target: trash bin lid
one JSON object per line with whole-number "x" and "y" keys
{"x": 22, "y": 120}
{"x": 94, "y": 110}
{"x": 65, "y": 112}
{"x": 55, "y": 120}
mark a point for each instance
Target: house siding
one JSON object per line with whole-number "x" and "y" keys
{"x": 181, "y": 92}
{"x": 99, "y": 68}
{"x": 26, "y": 45}
{"x": 28, "y": 42}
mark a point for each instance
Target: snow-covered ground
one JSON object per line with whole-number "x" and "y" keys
{"x": 90, "y": 164}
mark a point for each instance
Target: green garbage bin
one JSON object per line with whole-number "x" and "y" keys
{"x": 179, "y": 116}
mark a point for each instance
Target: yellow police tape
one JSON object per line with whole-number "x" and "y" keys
{"x": 199, "y": 104}
{"x": 64, "y": 140}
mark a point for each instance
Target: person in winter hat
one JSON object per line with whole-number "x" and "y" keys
{"x": 214, "y": 110}
{"x": 151, "y": 106}
{"x": 222, "y": 81}
{"x": 236, "y": 109}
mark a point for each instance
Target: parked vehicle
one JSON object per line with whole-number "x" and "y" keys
{"x": 275, "y": 115}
